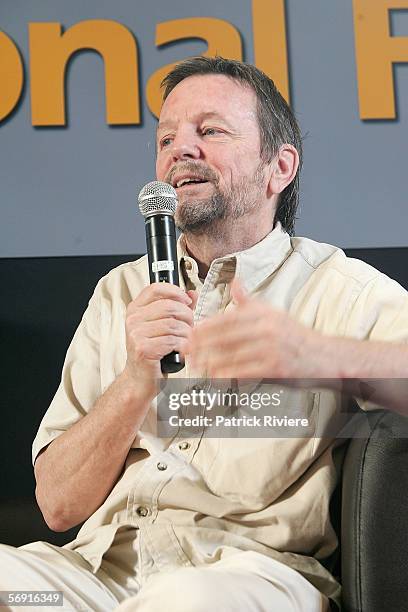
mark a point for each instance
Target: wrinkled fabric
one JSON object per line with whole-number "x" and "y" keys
{"x": 269, "y": 495}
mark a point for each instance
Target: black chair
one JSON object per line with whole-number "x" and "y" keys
{"x": 374, "y": 525}
{"x": 42, "y": 302}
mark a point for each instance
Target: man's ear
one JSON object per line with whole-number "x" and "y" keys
{"x": 283, "y": 169}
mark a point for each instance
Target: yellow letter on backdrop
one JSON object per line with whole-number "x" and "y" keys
{"x": 376, "y": 51}
{"x": 11, "y": 75}
{"x": 270, "y": 46}
{"x": 50, "y": 52}
{"x": 221, "y": 36}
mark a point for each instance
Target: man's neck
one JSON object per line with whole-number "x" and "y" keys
{"x": 222, "y": 239}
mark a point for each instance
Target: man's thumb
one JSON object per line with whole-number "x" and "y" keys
{"x": 193, "y": 295}
{"x": 238, "y": 294}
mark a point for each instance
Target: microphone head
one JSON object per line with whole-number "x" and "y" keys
{"x": 157, "y": 197}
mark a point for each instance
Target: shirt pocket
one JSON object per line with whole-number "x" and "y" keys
{"x": 254, "y": 469}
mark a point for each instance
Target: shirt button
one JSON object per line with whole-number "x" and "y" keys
{"x": 184, "y": 445}
{"x": 142, "y": 511}
{"x": 162, "y": 466}
{"x": 189, "y": 265}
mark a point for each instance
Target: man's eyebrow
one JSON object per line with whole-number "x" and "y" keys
{"x": 165, "y": 124}
{"x": 170, "y": 123}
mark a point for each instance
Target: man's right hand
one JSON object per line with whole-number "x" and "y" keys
{"x": 76, "y": 472}
{"x": 158, "y": 322}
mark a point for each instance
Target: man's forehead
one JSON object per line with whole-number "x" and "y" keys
{"x": 209, "y": 96}
{"x": 168, "y": 123}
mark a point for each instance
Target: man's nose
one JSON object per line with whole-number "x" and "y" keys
{"x": 185, "y": 146}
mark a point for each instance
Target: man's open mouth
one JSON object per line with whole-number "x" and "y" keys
{"x": 189, "y": 181}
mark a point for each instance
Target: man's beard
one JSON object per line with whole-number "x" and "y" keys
{"x": 196, "y": 216}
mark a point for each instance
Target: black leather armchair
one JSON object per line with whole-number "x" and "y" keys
{"x": 374, "y": 517}
{"x": 42, "y": 302}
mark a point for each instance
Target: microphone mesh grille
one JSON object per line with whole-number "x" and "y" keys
{"x": 157, "y": 197}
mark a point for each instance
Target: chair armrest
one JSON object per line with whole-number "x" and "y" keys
{"x": 374, "y": 525}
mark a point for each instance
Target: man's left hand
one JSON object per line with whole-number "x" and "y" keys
{"x": 257, "y": 341}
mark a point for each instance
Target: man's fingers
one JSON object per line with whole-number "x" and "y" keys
{"x": 222, "y": 330}
{"x": 238, "y": 293}
{"x": 160, "y": 328}
{"x": 225, "y": 327}
{"x": 193, "y": 295}
{"x": 159, "y": 291}
{"x": 156, "y": 348}
{"x": 228, "y": 356}
{"x": 161, "y": 309}
{"x": 225, "y": 337}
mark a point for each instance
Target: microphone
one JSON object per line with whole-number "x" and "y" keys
{"x": 157, "y": 203}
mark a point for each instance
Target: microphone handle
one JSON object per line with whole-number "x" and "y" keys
{"x": 163, "y": 268}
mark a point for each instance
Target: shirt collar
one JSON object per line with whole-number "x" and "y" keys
{"x": 251, "y": 266}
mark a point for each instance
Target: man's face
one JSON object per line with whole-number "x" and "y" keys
{"x": 208, "y": 148}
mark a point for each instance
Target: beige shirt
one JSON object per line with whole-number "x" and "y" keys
{"x": 193, "y": 499}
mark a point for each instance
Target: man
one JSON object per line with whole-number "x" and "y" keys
{"x": 198, "y": 522}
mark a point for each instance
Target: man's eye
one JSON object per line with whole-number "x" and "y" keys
{"x": 165, "y": 142}
{"x": 210, "y": 131}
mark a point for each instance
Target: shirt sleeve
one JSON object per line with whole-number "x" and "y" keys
{"x": 80, "y": 384}
{"x": 380, "y": 313}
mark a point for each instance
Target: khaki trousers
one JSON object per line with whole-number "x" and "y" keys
{"x": 243, "y": 581}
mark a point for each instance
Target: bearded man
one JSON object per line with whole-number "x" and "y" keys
{"x": 194, "y": 523}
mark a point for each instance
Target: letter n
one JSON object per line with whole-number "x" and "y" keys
{"x": 50, "y": 52}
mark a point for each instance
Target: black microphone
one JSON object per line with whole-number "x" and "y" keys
{"x": 157, "y": 203}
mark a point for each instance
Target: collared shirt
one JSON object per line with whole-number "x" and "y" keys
{"x": 191, "y": 499}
